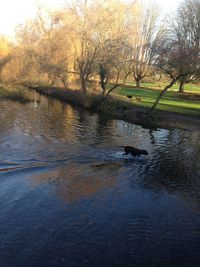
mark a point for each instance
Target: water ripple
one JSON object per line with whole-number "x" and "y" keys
{"x": 68, "y": 195}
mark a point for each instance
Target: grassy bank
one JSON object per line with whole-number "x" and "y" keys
{"x": 186, "y": 104}
{"x": 14, "y": 94}
{"x": 120, "y": 107}
{"x": 188, "y": 88}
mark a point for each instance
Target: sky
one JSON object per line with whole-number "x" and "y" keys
{"x": 15, "y": 12}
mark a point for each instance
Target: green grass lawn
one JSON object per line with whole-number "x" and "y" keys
{"x": 189, "y": 88}
{"x": 172, "y": 101}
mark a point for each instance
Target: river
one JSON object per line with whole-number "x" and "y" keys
{"x": 69, "y": 197}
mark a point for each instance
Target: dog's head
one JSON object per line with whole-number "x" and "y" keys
{"x": 144, "y": 152}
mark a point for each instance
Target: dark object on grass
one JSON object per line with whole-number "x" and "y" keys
{"x": 138, "y": 98}
{"x": 134, "y": 151}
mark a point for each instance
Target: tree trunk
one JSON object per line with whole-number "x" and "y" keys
{"x": 103, "y": 87}
{"x": 181, "y": 87}
{"x": 163, "y": 92}
{"x": 64, "y": 81}
{"x": 103, "y": 92}
{"x": 83, "y": 86}
{"x": 138, "y": 82}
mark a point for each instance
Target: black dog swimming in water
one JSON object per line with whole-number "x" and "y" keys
{"x": 134, "y": 151}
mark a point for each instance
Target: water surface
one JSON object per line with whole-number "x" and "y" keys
{"x": 68, "y": 196}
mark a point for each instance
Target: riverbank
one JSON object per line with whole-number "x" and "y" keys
{"x": 14, "y": 94}
{"x": 119, "y": 107}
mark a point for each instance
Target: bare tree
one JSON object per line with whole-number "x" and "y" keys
{"x": 99, "y": 37}
{"x": 115, "y": 68}
{"x": 178, "y": 54}
{"x": 144, "y": 35}
{"x": 85, "y": 44}
{"x": 186, "y": 29}
{"x": 43, "y": 48}
{"x": 168, "y": 61}
{"x": 115, "y": 63}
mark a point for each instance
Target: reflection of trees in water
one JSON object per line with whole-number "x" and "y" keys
{"x": 57, "y": 122}
{"x": 53, "y": 120}
{"x": 174, "y": 166}
{"x": 74, "y": 181}
{"x": 7, "y": 115}
{"x": 61, "y": 121}
{"x": 85, "y": 127}
{"x": 185, "y": 148}
{"x": 94, "y": 129}
{"x": 47, "y": 120}
{"x": 105, "y": 130}
{"x": 153, "y": 140}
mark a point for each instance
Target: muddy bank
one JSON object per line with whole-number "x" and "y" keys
{"x": 118, "y": 108}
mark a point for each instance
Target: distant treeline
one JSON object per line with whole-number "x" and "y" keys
{"x": 106, "y": 41}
